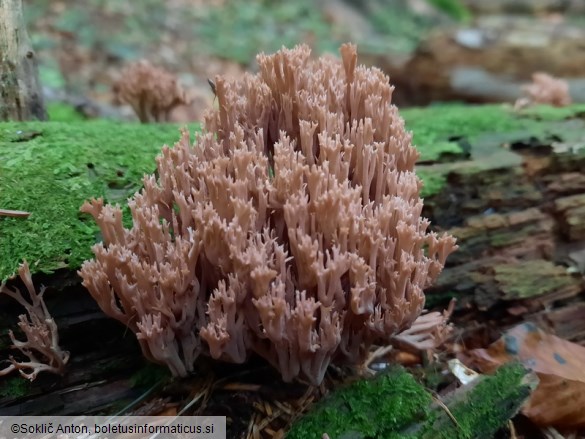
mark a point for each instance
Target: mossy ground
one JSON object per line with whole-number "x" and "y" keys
{"x": 50, "y": 169}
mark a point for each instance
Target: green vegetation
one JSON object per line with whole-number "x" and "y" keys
{"x": 436, "y": 127}
{"x": 454, "y": 8}
{"x": 532, "y": 279}
{"x": 239, "y": 30}
{"x": 546, "y": 112}
{"x": 397, "y": 29}
{"x": 485, "y": 407}
{"x": 235, "y": 30}
{"x": 149, "y": 375}
{"x": 59, "y": 112}
{"x": 394, "y": 405}
{"x": 14, "y": 387}
{"x": 378, "y": 408}
{"x": 50, "y": 169}
{"x": 433, "y": 182}
{"x": 469, "y": 139}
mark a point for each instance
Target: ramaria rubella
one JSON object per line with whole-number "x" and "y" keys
{"x": 545, "y": 89}
{"x": 41, "y": 346}
{"x": 153, "y": 93}
{"x": 291, "y": 228}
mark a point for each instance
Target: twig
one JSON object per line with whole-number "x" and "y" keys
{"x": 14, "y": 213}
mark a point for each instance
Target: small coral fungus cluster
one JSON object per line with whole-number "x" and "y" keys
{"x": 153, "y": 93}
{"x": 291, "y": 228}
{"x": 545, "y": 89}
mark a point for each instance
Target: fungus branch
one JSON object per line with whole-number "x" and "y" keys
{"x": 41, "y": 346}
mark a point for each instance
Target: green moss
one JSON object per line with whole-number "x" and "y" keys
{"x": 49, "y": 169}
{"x": 549, "y": 113}
{"x": 238, "y": 30}
{"x": 149, "y": 375}
{"x": 377, "y": 408}
{"x": 433, "y": 181}
{"x": 532, "y": 279}
{"x": 439, "y": 125}
{"x": 436, "y": 128}
{"x": 397, "y": 28}
{"x": 454, "y": 8}
{"x": 14, "y": 387}
{"x": 60, "y": 112}
{"x": 435, "y": 300}
{"x": 509, "y": 237}
{"x": 504, "y": 239}
{"x": 485, "y": 408}
{"x": 442, "y": 151}
{"x": 469, "y": 139}
{"x": 394, "y": 405}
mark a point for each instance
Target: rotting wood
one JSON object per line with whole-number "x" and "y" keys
{"x": 571, "y": 211}
{"x": 521, "y": 232}
{"x": 566, "y": 322}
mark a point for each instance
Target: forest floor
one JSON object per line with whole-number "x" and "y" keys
{"x": 82, "y": 51}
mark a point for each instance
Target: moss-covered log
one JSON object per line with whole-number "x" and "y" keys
{"x": 513, "y": 196}
{"x": 394, "y": 405}
{"x": 49, "y": 169}
{"x": 507, "y": 184}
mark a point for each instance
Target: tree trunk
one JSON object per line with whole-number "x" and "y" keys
{"x": 20, "y": 91}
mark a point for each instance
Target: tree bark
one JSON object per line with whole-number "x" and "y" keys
{"x": 20, "y": 91}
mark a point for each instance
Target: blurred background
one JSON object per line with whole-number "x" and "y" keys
{"x": 434, "y": 50}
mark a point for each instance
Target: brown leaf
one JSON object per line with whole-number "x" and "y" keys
{"x": 560, "y": 397}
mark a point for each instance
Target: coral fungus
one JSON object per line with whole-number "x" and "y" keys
{"x": 545, "y": 89}
{"x": 292, "y": 227}
{"x": 41, "y": 346}
{"x": 152, "y": 92}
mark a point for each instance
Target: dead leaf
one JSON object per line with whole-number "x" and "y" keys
{"x": 560, "y": 397}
